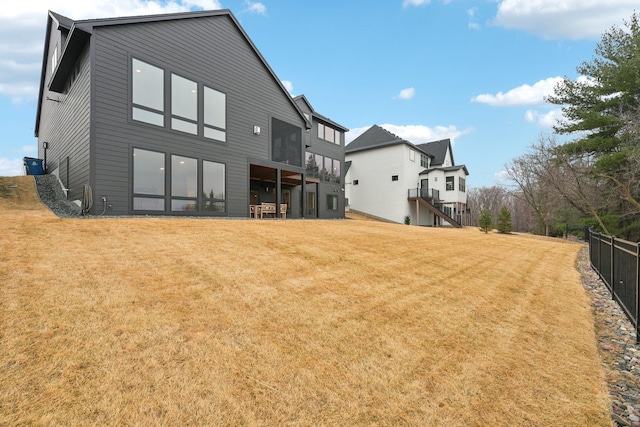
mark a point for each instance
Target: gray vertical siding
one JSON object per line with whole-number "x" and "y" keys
{"x": 209, "y": 50}
{"x": 64, "y": 123}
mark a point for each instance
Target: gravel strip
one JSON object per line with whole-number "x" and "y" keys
{"x": 616, "y": 344}
{"x": 51, "y": 194}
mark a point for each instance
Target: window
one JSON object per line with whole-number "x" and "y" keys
{"x": 311, "y": 165}
{"x": 213, "y": 187}
{"x": 195, "y": 185}
{"x": 184, "y": 184}
{"x": 147, "y": 93}
{"x": 355, "y": 182}
{"x": 412, "y": 155}
{"x": 394, "y": 177}
{"x": 286, "y": 143}
{"x": 184, "y": 105}
{"x": 327, "y": 169}
{"x": 215, "y": 114}
{"x": 54, "y": 59}
{"x": 332, "y": 202}
{"x": 335, "y": 174}
{"x": 449, "y": 183}
{"x": 148, "y": 180}
{"x": 195, "y": 109}
{"x": 329, "y": 134}
{"x": 424, "y": 160}
{"x": 462, "y": 184}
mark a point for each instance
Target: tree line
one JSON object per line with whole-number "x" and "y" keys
{"x": 593, "y": 176}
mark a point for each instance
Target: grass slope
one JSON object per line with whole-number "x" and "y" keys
{"x": 215, "y": 322}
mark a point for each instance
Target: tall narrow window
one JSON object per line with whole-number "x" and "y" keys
{"x": 147, "y": 93}
{"x": 338, "y": 139}
{"x": 332, "y": 202}
{"x": 184, "y": 105}
{"x": 184, "y": 184}
{"x": 215, "y": 114}
{"x": 424, "y": 161}
{"x": 311, "y": 165}
{"x": 335, "y": 175}
{"x": 320, "y": 131}
{"x": 54, "y": 59}
{"x": 213, "y": 186}
{"x": 148, "y": 180}
{"x": 328, "y": 168}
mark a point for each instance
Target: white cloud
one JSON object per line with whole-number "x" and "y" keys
{"x": 417, "y": 134}
{"x": 572, "y": 19}
{"x": 22, "y": 26}
{"x": 11, "y": 167}
{"x": 522, "y": 95}
{"x": 255, "y": 7}
{"x": 545, "y": 120}
{"x": 288, "y": 86}
{"x": 407, "y": 93}
{"x": 471, "y": 13}
{"x": 407, "y": 3}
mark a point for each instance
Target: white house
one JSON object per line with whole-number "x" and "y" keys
{"x": 391, "y": 178}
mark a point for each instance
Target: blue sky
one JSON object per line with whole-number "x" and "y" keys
{"x": 473, "y": 71}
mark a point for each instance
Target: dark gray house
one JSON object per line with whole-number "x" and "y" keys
{"x": 179, "y": 114}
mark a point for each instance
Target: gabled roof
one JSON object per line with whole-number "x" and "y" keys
{"x": 63, "y": 21}
{"x": 438, "y": 149}
{"x": 80, "y": 32}
{"x": 319, "y": 116}
{"x": 376, "y": 137}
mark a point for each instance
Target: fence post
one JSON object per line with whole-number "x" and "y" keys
{"x": 611, "y": 270}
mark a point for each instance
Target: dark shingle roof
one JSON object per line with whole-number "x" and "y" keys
{"x": 374, "y": 137}
{"x": 438, "y": 149}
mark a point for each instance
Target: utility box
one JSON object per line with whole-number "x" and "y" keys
{"x": 33, "y": 166}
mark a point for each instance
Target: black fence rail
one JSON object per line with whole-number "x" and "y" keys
{"x": 617, "y": 262}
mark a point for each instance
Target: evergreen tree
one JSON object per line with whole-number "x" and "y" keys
{"x": 602, "y": 108}
{"x": 485, "y": 222}
{"x": 504, "y": 221}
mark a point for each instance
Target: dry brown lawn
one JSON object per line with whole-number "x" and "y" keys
{"x": 146, "y": 321}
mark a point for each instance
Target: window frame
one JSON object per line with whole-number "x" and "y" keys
{"x": 332, "y": 202}
{"x": 178, "y": 118}
{"x": 140, "y": 196}
{"x": 462, "y": 184}
{"x": 449, "y": 183}
{"x": 147, "y": 110}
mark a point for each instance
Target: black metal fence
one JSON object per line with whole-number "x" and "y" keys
{"x": 617, "y": 262}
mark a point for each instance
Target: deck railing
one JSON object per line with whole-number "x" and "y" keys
{"x": 429, "y": 194}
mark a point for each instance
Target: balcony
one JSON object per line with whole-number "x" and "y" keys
{"x": 430, "y": 194}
